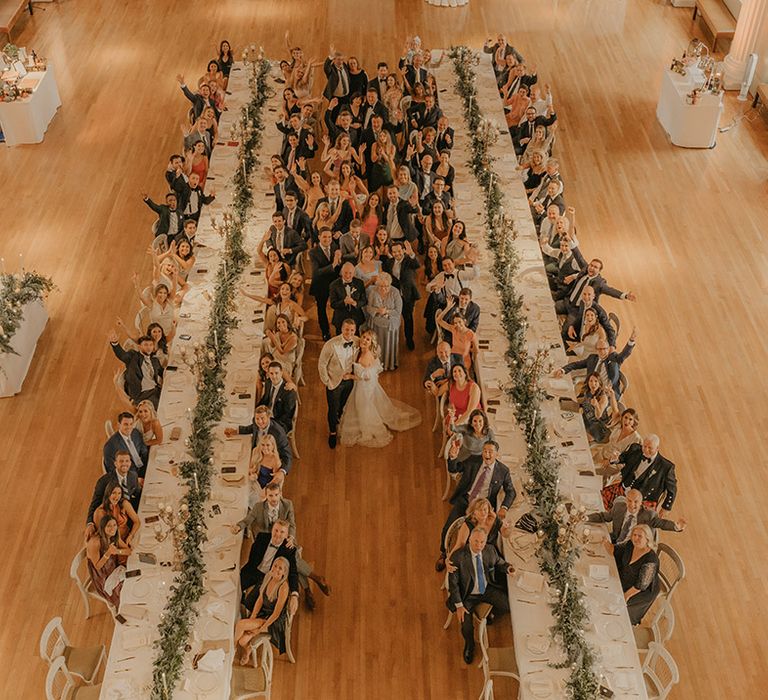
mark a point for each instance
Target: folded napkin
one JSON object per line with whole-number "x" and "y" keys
{"x": 222, "y": 588}
{"x": 135, "y": 612}
{"x": 533, "y": 583}
{"x": 537, "y": 643}
{"x": 212, "y": 661}
{"x": 135, "y": 639}
{"x": 218, "y": 610}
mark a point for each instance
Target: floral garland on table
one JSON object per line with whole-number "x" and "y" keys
{"x": 187, "y": 589}
{"x": 16, "y": 291}
{"x": 557, "y": 552}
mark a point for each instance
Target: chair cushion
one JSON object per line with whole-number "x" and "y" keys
{"x": 87, "y": 692}
{"x": 482, "y": 610}
{"x": 502, "y": 660}
{"x": 643, "y": 636}
{"x": 247, "y": 680}
{"x": 650, "y": 688}
{"x": 82, "y": 661}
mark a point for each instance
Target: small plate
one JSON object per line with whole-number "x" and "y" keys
{"x": 206, "y": 682}
{"x": 613, "y": 630}
{"x": 533, "y": 642}
{"x": 141, "y": 589}
{"x": 540, "y": 687}
{"x": 215, "y": 629}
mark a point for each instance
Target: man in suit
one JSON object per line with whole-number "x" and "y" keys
{"x": 262, "y": 425}
{"x": 478, "y": 575}
{"x": 200, "y": 100}
{"x": 552, "y": 196}
{"x": 352, "y": 243}
{"x": 325, "y": 259}
{"x": 143, "y": 371}
{"x": 280, "y": 400}
{"x": 127, "y": 439}
{"x": 168, "y": 215}
{"x": 630, "y": 511}
{"x": 467, "y": 308}
{"x": 423, "y": 176}
{"x": 341, "y": 211}
{"x": 439, "y": 368}
{"x": 606, "y": 363}
{"x": 591, "y": 276}
{"x": 552, "y": 172}
{"x": 283, "y": 239}
{"x": 125, "y": 474}
{"x": 373, "y": 105}
{"x": 645, "y": 469}
{"x": 413, "y": 73}
{"x": 575, "y": 320}
{"x": 490, "y": 46}
{"x": 444, "y": 136}
{"x": 431, "y": 114}
{"x": 174, "y": 173}
{"x": 337, "y": 73}
{"x": 440, "y": 194}
{"x": 402, "y": 266}
{"x": 296, "y": 218}
{"x": 379, "y": 83}
{"x": 335, "y": 366}
{"x": 524, "y": 131}
{"x": 446, "y": 285}
{"x": 482, "y": 476}
{"x": 347, "y": 297}
{"x": 192, "y": 198}
{"x": 515, "y": 77}
{"x": 562, "y": 262}
{"x": 284, "y": 183}
{"x": 341, "y": 125}
{"x": 398, "y": 216}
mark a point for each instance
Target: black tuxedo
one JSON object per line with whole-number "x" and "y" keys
{"x": 299, "y": 222}
{"x": 133, "y": 361}
{"x": 429, "y": 201}
{"x": 131, "y": 491}
{"x": 334, "y": 130}
{"x": 379, "y": 86}
{"x": 169, "y": 222}
{"x": 291, "y": 240}
{"x": 526, "y": 129}
{"x": 612, "y": 363}
{"x": 284, "y": 405}
{"x": 281, "y": 439}
{"x": 657, "y": 480}
{"x": 333, "y": 75}
{"x": 406, "y": 284}
{"x": 597, "y": 283}
{"x": 323, "y": 273}
{"x": 341, "y": 312}
{"x": 434, "y": 365}
{"x": 199, "y": 103}
{"x": 443, "y": 144}
{"x": 281, "y": 188}
{"x": 423, "y": 182}
{"x": 250, "y": 575}
{"x": 367, "y": 112}
{"x": 413, "y": 76}
{"x": 117, "y": 442}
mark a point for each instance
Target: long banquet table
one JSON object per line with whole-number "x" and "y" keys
{"x": 129, "y": 668}
{"x": 529, "y": 596}
{"x": 14, "y": 368}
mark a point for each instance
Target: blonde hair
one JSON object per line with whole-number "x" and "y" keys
{"x": 646, "y": 530}
{"x": 150, "y": 406}
{"x": 374, "y": 341}
{"x": 258, "y": 452}
{"x": 272, "y": 577}
{"x": 476, "y": 505}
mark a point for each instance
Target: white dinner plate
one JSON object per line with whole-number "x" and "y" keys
{"x": 540, "y": 687}
{"x": 613, "y": 630}
{"x": 206, "y": 682}
{"x": 141, "y": 589}
{"x": 537, "y": 644}
{"x": 215, "y": 629}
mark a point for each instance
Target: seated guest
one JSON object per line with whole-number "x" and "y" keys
{"x": 549, "y": 197}
{"x": 103, "y": 550}
{"x": 598, "y": 408}
{"x": 143, "y": 371}
{"x": 472, "y": 435}
{"x": 592, "y": 277}
{"x": 270, "y": 612}
{"x": 192, "y": 197}
{"x": 283, "y": 303}
{"x": 591, "y": 335}
{"x": 265, "y": 455}
{"x": 445, "y": 285}
{"x": 466, "y": 308}
{"x": 562, "y": 263}
{"x": 638, "y": 566}
{"x": 463, "y": 340}
{"x": 622, "y": 436}
{"x": 439, "y": 369}
{"x": 128, "y": 438}
{"x": 287, "y": 242}
{"x": 480, "y": 513}
{"x": 463, "y": 396}
{"x": 168, "y": 216}
{"x": 282, "y": 343}
{"x": 347, "y": 296}
{"x": 279, "y": 397}
{"x": 200, "y": 100}
{"x": 264, "y": 425}
{"x": 479, "y": 577}
{"x": 645, "y": 469}
{"x": 482, "y": 476}
{"x": 148, "y": 423}
{"x": 159, "y": 303}
{"x": 572, "y": 326}
{"x": 630, "y": 511}
{"x": 524, "y": 132}
{"x": 126, "y": 476}
{"x": 115, "y": 503}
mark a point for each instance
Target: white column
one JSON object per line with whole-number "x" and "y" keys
{"x": 747, "y": 29}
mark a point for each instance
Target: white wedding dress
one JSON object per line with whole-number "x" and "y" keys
{"x": 370, "y": 414}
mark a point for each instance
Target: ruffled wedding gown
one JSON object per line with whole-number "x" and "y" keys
{"x": 370, "y": 414}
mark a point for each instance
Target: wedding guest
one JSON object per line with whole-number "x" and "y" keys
{"x": 347, "y": 297}
{"x": 445, "y": 170}
{"x": 444, "y": 137}
{"x": 115, "y": 503}
{"x": 148, "y": 423}
{"x": 279, "y": 398}
{"x": 638, "y": 566}
{"x": 261, "y": 426}
{"x": 284, "y": 183}
{"x": 103, "y": 550}
{"x": 326, "y": 261}
{"x": 283, "y": 303}
{"x": 313, "y": 190}
{"x": 196, "y": 164}
{"x": 501, "y": 48}
{"x": 465, "y": 307}
{"x": 168, "y": 216}
{"x": 381, "y": 246}
{"x": 266, "y": 458}
{"x": 282, "y": 343}
{"x": 471, "y": 435}
{"x": 572, "y": 326}
{"x": 480, "y": 513}
{"x": 296, "y": 218}
{"x": 128, "y": 437}
{"x": 591, "y": 276}
{"x": 352, "y": 243}
{"x": 630, "y": 511}
{"x": 371, "y": 215}
{"x": 285, "y": 241}
{"x": 368, "y": 269}
{"x": 225, "y": 59}
{"x": 402, "y": 266}
{"x": 143, "y": 371}
{"x": 622, "y": 436}
{"x": 398, "y": 217}
{"x": 335, "y": 369}
{"x": 551, "y": 196}
{"x": 439, "y": 194}
{"x": 383, "y": 311}
{"x": 433, "y": 263}
{"x": 405, "y": 186}
{"x": 437, "y": 224}
{"x": 125, "y": 474}
{"x": 463, "y": 340}
{"x": 598, "y": 408}
{"x": 337, "y": 72}
{"x": 439, "y": 369}
{"x": 200, "y": 100}
{"x": 479, "y": 576}
{"x": 160, "y": 304}
{"x": 339, "y": 209}
{"x": 526, "y": 129}
{"x": 445, "y": 285}
{"x": 456, "y": 246}
{"x": 463, "y": 396}
{"x": 590, "y": 335}
{"x": 380, "y": 82}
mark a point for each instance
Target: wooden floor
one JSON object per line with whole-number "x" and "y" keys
{"x": 684, "y": 229}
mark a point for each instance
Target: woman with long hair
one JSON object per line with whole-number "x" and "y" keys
{"x": 371, "y": 215}
{"x": 463, "y": 397}
{"x": 598, "y": 408}
{"x": 104, "y": 549}
{"x": 120, "y": 508}
{"x": 282, "y": 343}
{"x": 433, "y": 262}
{"x": 225, "y": 60}
{"x": 622, "y": 436}
{"x": 472, "y": 435}
{"x": 266, "y": 456}
{"x": 437, "y": 224}
{"x": 368, "y": 269}
{"x": 383, "y": 164}
{"x": 480, "y": 513}
{"x": 147, "y": 421}
{"x": 313, "y": 190}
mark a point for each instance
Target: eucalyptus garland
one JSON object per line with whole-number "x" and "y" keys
{"x": 542, "y": 463}
{"x": 188, "y": 587}
{"x": 16, "y": 291}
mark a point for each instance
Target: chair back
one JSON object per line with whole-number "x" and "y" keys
{"x": 119, "y": 381}
{"x": 663, "y": 622}
{"x": 482, "y": 637}
{"x": 613, "y": 319}
{"x": 53, "y": 641}
{"x": 160, "y": 244}
{"x": 109, "y": 429}
{"x": 623, "y": 383}
{"x": 661, "y": 670}
{"x": 298, "y": 372}
{"x": 84, "y": 582}
{"x": 59, "y": 684}
{"x": 671, "y": 569}
{"x": 452, "y": 533}
{"x": 142, "y": 320}
{"x": 263, "y": 648}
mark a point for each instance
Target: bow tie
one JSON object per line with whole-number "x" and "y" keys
{"x": 349, "y": 344}
{"x": 449, "y": 277}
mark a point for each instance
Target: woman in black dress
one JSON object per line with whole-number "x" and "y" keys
{"x": 638, "y": 566}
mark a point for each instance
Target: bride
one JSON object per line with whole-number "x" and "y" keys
{"x": 369, "y": 411}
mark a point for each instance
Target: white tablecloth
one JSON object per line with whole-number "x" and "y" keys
{"x": 690, "y": 126}
{"x": 129, "y": 669}
{"x": 26, "y": 121}
{"x": 530, "y": 612}
{"x": 13, "y": 368}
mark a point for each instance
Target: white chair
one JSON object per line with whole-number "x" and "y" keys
{"x": 487, "y": 693}
{"x": 496, "y": 661}
{"x": 254, "y": 682}
{"x": 439, "y": 408}
{"x": 142, "y": 320}
{"x": 119, "y": 382}
{"x": 292, "y": 433}
{"x": 109, "y": 429}
{"x": 59, "y": 684}
{"x": 671, "y": 569}
{"x": 659, "y": 672}
{"x": 160, "y": 243}
{"x": 659, "y": 631}
{"x": 298, "y": 371}
{"x": 85, "y": 585}
{"x": 83, "y": 662}
{"x": 288, "y": 631}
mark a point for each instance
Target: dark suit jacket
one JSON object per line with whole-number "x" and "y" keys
{"x": 407, "y": 285}
{"x": 290, "y": 186}
{"x": 345, "y": 217}
{"x": 526, "y": 129}
{"x": 413, "y": 76}
{"x": 500, "y": 479}
{"x": 618, "y": 512}
{"x": 163, "y": 212}
{"x": 508, "y": 49}
{"x": 576, "y": 318}
{"x": 116, "y": 442}
{"x": 323, "y": 271}
{"x": 347, "y": 245}
{"x": 291, "y": 240}
{"x": 132, "y": 360}
{"x": 341, "y": 311}
{"x": 333, "y": 77}
{"x": 423, "y": 181}
{"x": 431, "y": 198}
{"x": 471, "y": 315}
{"x": 658, "y": 479}
{"x": 284, "y": 406}
{"x": 378, "y": 109}
{"x": 276, "y": 431}
{"x": 184, "y": 193}
{"x": 302, "y": 224}
{"x": 405, "y": 212}
{"x": 546, "y": 201}
{"x": 598, "y": 284}
{"x": 441, "y": 143}
{"x": 462, "y": 581}
{"x": 374, "y": 83}
{"x": 258, "y": 549}
{"x": 132, "y": 491}
{"x": 612, "y": 365}
{"x": 256, "y": 517}
{"x": 434, "y": 364}
{"x": 199, "y": 103}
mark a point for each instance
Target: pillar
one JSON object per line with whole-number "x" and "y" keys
{"x": 747, "y": 30}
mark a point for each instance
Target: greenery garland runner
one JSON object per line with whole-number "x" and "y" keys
{"x": 16, "y": 291}
{"x": 187, "y": 589}
{"x": 557, "y": 553}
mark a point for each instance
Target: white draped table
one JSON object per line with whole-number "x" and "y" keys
{"x": 129, "y": 668}
{"x": 529, "y": 597}
{"x": 27, "y": 120}
{"x": 13, "y": 368}
{"x": 688, "y": 125}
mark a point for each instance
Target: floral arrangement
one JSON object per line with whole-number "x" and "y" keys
{"x": 559, "y": 548}
{"x": 16, "y": 291}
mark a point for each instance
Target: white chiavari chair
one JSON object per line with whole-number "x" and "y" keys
{"x": 85, "y": 585}
{"x": 659, "y": 672}
{"x": 59, "y": 684}
{"x": 660, "y": 629}
{"x": 256, "y": 681}
{"x": 496, "y": 661}
{"x": 83, "y": 662}
{"x": 671, "y": 569}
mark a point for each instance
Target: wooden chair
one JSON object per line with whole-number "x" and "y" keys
{"x": 59, "y": 684}
{"x": 660, "y": 630}
{"x": 85, "y": 585}
{"x": 659, "y": 672}
{"x": 671, "y": 569}
{"x": 496, "y": 661}
{"x": 439, "y": 410}
{"x": 254, "y": 682}
{"x": 83, "y": 662}
{"x": 487, "y": 693}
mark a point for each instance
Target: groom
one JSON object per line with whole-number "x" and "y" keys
{"x": 336, "y": 359}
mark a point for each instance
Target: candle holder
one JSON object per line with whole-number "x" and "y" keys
{"x": 570, "y": 533}
{"x": 172, "y": 524}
